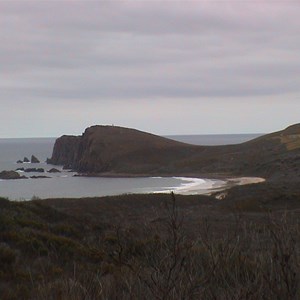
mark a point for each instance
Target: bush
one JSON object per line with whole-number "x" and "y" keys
{"x": 7, "y": 257}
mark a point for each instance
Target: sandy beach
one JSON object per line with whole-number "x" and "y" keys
{"x": 202, "y": 186}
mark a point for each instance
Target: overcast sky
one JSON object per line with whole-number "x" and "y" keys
{"x": 167, "y": 67}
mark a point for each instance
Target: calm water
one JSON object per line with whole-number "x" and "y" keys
{"x": 64, "y": 184}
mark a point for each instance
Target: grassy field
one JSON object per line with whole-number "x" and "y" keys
{"x": 246, "y": 246}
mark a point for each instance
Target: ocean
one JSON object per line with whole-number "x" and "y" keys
{"x": 64, "y": 184}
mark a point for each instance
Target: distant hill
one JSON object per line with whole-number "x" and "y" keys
{"x": 117, "y": 151}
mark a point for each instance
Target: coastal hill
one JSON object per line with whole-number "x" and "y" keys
{"x": 117, "y": 151}
{"x": 120, "y": 150}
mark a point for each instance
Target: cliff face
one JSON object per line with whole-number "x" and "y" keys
{"x": 116, "y": 150}
{"x": 65, "y": 151}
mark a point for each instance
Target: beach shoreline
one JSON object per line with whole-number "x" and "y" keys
{"x": 208, "y": 186}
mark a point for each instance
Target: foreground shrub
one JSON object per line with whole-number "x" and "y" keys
{"x": 160, "y": 258}
{"x": 247, "y": 262}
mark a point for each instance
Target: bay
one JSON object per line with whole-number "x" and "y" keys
{"x": 64, "y": 184}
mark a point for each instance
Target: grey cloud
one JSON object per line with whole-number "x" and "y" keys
{"x": 97, "y": 51}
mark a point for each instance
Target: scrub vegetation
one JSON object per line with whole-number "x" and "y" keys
{"x": 150, "y": 247}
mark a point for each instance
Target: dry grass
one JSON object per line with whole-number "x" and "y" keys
{"x": 292, "y": 141}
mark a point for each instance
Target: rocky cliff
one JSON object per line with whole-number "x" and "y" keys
{"x": 111, "y": 150}
{"x": 65, "y": 151}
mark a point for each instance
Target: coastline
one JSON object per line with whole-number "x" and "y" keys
{"x": 246, "y": 180}
{"x": 207, "y": 186}
{"x": 197, "y": 184}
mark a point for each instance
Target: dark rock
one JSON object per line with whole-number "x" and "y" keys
{"x": 67, "y": 167}
{"x": 11, "y": 175}
{"x": 39, "y": 177}
{"x": 53, "y": 170}
{"x": 19, "y": 161}
{"x": 38, "y": 170}
{"x": 34, "y": 160}
{"x": 26, "y": 160}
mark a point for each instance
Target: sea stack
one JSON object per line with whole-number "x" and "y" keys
{"x": 34, "y": 160}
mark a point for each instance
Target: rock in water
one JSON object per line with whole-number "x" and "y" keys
{"x": 38, "y": 170}
{"x": 26, "y": 160}
{"x": 19, "y": 161}
{"x": 39, "y": 177}
{"x": 34, "y": 160}
{"x": 11, "y": 175}
{"x": 53, "y": 170}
